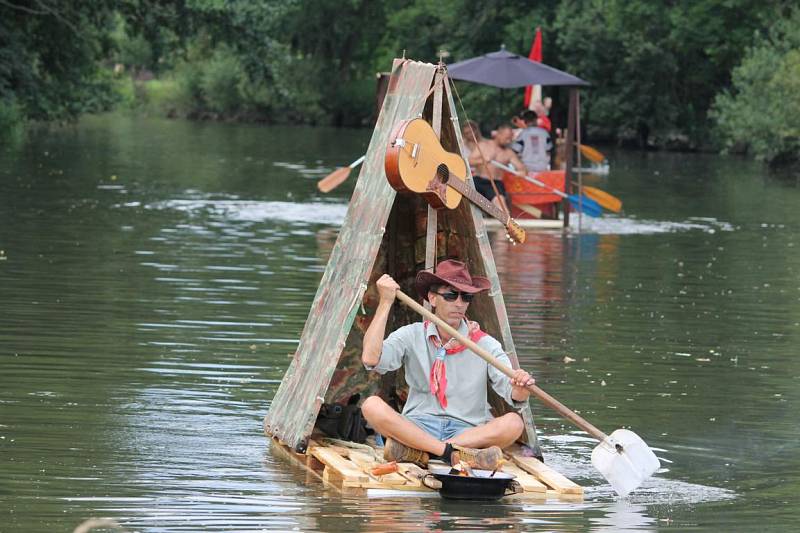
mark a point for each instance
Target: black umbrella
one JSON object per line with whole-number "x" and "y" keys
{"x": 506, "y": 70}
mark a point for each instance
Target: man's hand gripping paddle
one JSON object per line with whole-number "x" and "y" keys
{"x": 622, "y": 457}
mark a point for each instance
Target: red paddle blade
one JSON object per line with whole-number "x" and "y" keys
{"x": 334, "y": 179}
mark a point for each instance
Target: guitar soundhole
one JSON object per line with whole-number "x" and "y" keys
{"x": 443, "y": 173}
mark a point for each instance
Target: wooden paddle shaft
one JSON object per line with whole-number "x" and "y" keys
{"x": 357, "y": 162}
{"x": 546, "y": 399}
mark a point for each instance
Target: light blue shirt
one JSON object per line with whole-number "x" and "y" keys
{"x": 468, "y": 375}
{"x": 533, "y": 146}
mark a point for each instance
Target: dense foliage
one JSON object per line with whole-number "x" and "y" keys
{"x": 49, "y": 59}
{"x": 761, "y": 113}
{"x": 656, "y": 67}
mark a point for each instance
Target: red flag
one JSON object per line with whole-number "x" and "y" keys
{"x": 535, "y": 55}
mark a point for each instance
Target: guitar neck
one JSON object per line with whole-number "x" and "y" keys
{"x": 478, "y": 199}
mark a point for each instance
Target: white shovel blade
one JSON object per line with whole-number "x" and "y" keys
{"x": 625, "y": 469}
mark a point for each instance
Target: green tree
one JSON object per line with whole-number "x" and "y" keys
{"x": 48, "y": 57}
{"x": 761, "y": 112}
{"x": 655, "y": 66}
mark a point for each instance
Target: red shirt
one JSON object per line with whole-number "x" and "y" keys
{"x": 544, "y": 122}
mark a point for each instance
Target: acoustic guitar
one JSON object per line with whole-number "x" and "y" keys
{"x": 416, "y": 162}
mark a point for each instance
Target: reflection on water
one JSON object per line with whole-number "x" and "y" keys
{"x": 624, "y": 516}
{"x": 156, "y": 275}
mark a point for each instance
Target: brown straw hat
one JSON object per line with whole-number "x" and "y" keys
{"x": 453, "y": 273}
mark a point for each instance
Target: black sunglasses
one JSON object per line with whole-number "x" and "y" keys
{"x": 451, "y": 296}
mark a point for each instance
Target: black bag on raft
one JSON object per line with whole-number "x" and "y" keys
{"x": 343, "y": 422}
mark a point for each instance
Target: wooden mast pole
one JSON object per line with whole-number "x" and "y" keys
{"x": 433, "y": 217}
{"x": 568, "y": 149}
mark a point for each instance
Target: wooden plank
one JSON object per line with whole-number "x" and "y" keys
{"x": 569, "y": 151}
{"x": 526, "y": 224}
{"x": 389, "y": 481}
{"x": 341, "y": 450}
{"x": 432, "y": 231}
{"x": 547, "y": 475}
{"x": 413, "y": 474}
{"x": 287, "y": 453}
{"x": 366, "y": 463}
{"x": 566, "y": 497}
{"x": 330, "y": 475}
{"x": 529, "y": 483}
{"x": 378, "y": 485}
{"x": 311, "y": 462}
{"x": 361, "y": 458}
{"x": 303, "y": 462}
{"x": 337, "y": 466}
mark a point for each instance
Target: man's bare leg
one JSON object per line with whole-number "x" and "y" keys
{"x": 502, "y": 431}
{"x": 390, "y": 423}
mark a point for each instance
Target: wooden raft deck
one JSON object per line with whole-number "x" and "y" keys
{"x": 348, "y": 471}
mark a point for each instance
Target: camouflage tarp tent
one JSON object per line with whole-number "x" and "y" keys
{"x": 383, "y": 233}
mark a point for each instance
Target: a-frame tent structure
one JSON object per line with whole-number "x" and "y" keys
{"x": 384, "y": 232}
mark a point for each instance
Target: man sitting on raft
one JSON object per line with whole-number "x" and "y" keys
{"x": 481, "y": 151}
{"x": 447, "y": 414}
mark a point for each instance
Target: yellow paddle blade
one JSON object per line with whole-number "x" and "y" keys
{"x": 592, "y": 154}
{"x": 333, "y": 180}
{"x": 607, "y": 201}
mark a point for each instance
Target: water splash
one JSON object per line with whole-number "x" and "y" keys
{"x": 304, "y": 170}
{"x": 334, "y": 214}
{"x": 255, "y": 211}
{"x": 570, "y": 454}
{"x": 612, "y": 225}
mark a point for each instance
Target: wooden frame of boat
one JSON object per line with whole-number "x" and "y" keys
{"x": 527, "y": 224}
{"x": 346, "y": 468}
{"x": 386, "y": 232}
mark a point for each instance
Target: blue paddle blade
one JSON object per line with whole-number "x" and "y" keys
{"x": 585, "y": 205}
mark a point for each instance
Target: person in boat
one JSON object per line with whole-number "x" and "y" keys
{"x": 541, "y": 110}
{"x": 481, "y": 152}
{"x": 446, "y": 415}
{"x": 518, "y": 125}
{"x": 542, "y": 120}
{"x": 533, "y": 144}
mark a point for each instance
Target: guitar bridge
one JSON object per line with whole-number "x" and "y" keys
{"x": 415, "y": 150}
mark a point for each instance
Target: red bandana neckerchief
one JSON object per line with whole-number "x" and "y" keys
{"x": 438, "y": 378}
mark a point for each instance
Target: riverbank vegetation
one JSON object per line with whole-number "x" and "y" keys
{"x": 664, "y": 74}
{"x": 761, "y": 110}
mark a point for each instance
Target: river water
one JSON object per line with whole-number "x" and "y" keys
{"x": 154, "y": 275}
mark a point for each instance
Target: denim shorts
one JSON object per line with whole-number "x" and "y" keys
{"x": 442, "y": 428}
